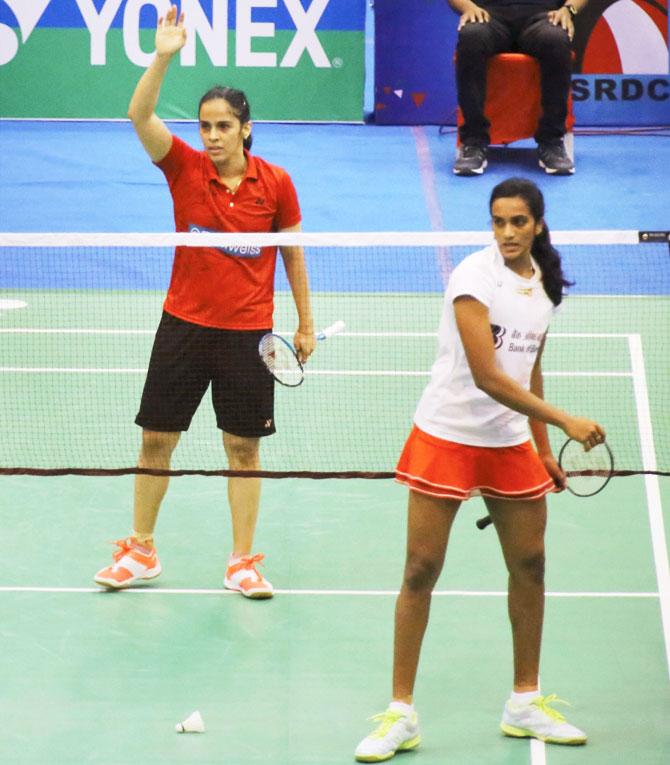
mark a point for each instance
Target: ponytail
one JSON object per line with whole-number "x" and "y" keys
{"x": 549, "y": 260}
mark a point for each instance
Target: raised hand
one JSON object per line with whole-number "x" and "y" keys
{"x": 170, "y": 33}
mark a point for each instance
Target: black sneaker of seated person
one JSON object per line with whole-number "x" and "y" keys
{"x": 554, "y": 159}
{"x": 471, "y": 160}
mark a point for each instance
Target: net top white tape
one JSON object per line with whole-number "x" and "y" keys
{"x": 303, "y": 239}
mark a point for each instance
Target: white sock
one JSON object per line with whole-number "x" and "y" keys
{"x": 520, "y": 699}
{"x": 400, "y": 706}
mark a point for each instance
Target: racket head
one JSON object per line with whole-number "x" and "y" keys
{"x": 587, "y": 472}
{"x": 281, "y": 360}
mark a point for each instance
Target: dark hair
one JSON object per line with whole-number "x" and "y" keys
{"x": 542, "y": 250}
{"x": 237, "y": 101}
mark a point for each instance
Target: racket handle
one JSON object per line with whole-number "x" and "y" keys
{"x": 333, "y": 329}
{"x": 482, "y": 523}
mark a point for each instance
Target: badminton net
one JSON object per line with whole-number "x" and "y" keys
{"x": 78, "y": 313}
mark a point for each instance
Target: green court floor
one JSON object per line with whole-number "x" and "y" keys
{"x": 73, "y": 367}
{"x": 90, "y": 677}
{"x": 102, "y": 678}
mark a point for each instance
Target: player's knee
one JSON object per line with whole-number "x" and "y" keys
{"x": 242, "y": 452}
{"x": 530, "y": 567}
{"x": 421, "y": 573}
{"x": 157, "y": 447}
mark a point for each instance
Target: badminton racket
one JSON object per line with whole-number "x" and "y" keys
{"x": 282, "y": 361}
{"x": 587, "y": 472}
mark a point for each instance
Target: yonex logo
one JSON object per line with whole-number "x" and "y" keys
{"x": 27, "y": 13}
{"x": 211, "y": 33}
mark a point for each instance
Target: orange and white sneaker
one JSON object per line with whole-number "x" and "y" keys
{"x": 132, "y": 561}
{"x": 243, "y": 577}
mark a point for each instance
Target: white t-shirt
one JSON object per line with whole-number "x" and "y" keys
{"x": 452, "y": 407}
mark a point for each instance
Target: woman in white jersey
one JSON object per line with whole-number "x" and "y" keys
{"x": 471, "y": 437}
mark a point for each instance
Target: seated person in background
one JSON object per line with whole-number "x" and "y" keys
{"x": 540, "y": 28}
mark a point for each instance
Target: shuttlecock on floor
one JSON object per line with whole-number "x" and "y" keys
{"x": 192, "y": 724}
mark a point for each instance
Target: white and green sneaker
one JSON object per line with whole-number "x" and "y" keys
{"x": 396, "y": 732}
{"x": 538, "y": 720}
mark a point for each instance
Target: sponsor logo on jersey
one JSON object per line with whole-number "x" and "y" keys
{"x": 498, "y": 334}
{"x": 238, "y": 251}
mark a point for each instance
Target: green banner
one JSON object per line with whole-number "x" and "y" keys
{"x": 84, "y": 62}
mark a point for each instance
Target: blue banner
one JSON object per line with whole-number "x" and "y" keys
{"x": 622, "y": 67}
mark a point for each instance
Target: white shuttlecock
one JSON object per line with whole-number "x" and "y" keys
{"x": 192, "y": 724}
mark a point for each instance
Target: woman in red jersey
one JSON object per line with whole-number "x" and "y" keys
{"x": 219, "y": 303}
{"x": 471, "y": 437}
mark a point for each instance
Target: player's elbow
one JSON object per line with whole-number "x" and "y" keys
{"x": 486, "y": 381}
{"x": 132, "y": 111}
{"x": 134, "y": 116}
{"x": 137, "y": 115}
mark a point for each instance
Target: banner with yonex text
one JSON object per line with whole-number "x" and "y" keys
{"x": 300, "y": 60}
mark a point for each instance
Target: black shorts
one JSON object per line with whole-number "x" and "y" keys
{"x": 186, "y": 358}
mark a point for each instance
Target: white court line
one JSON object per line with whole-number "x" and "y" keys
{"x": 411, "y": 373}
{"x": 325, "y": 593}
{"x": 73, "y": 370}
{"x": 538, "y": 752}
{"x": 310, "y": 372}
{"x": 99, "y": 331}
{"x": 73, "y": 331}
{"x": 654, "y": 504}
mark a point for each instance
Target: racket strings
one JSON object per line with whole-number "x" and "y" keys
{"x": 587, "y": 472}
{"x": 592, "y": 463}
{"x": 280, "y": 360}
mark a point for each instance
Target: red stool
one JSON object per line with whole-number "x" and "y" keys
{"x": 510, "y": 74}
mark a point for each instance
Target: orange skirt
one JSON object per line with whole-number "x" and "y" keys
{"x": 446, "y": 469}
